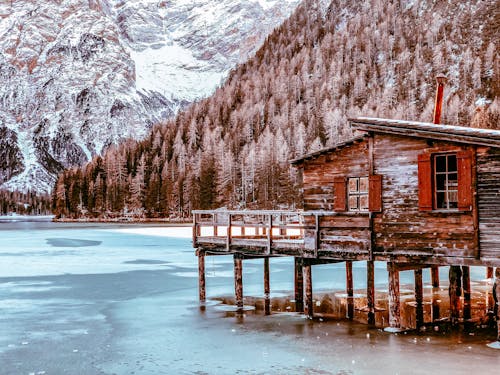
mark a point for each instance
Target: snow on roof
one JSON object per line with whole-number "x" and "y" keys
{"x": 336, "y": 147}
{"x": 454, "y": 133}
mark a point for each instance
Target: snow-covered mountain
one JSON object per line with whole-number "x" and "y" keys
{"x": 78, "y": 75}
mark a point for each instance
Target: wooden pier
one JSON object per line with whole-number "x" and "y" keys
{"x": 414, "y": 195}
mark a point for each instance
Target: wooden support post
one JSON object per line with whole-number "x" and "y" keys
{"x": 467, "y": 292}
{"x": 349, "y": 289}
{"x": 370, "y": 291}
{"x": 238, "y": 281}
{"x": 394, "y": 307}
{"x": 436, "y": 314}
{"x": 201, "y": 276}
{"x": 489, "y": 272}
{"x": 419, "y": 298}
{"x": 267, "y": 289}
{"x": 299, "y": 286}
{"x": 455, "y": 291}
{"x": 308, "y": 295}
{"x": 435, "y": 276}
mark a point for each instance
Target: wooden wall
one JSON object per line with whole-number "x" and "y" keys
{"x": 343, "y": 235}
{"x": 488, "y": 189}
{"x": 401, "y": 228}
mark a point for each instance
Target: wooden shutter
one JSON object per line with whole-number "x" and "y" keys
{"x": 424, "y": 182}
{"x": 340, "y": 194}
{"x": 375, "y": 193}
{"x": 464, "y": 166}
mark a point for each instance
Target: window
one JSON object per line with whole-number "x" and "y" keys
{"x": 358, "y": 194}
{"x": 445, "y": 182}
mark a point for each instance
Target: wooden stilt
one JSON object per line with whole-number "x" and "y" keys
{"x": 267, "y": 289}
{"x": 435, "y": 276}
{"x": 370, "y": 291}
{"x": 349, "y": 289}
{"x": 436, "y": 314}
{"x": 455, "y": 291}
{"x": 299, "y": 286}
{"x": 238, "y": 281}
{"x": 201, "y": 276}
{"x": 419, "y": 298}
{"x": 489, "y": 272}
{"x": 308, "y": 296}
{"x": 467, "y": 292}
{"x": 394, "y": 308}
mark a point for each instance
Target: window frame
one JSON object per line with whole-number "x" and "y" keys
{"x": 447, "y": 191}
{"x": 358, "y": 194}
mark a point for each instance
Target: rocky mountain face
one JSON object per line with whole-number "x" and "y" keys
{"x": 79, "y": 75}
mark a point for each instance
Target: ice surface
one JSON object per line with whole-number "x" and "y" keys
{"x": 130, "y": 305}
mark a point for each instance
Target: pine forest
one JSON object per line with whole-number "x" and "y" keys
{"x": 371, "y": 58}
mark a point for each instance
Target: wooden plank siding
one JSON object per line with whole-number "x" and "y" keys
{"x": 343, "y": 236}
{"x": 402, "y": 227}
{"x": 488, "y": 191}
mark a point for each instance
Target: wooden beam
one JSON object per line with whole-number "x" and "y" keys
{"x": 308, "y": 295}
{"x": 238, "y": 281}
{"x": 394, "y": 301}
{"x": 455, "y": 292}
{"x": 201, "y": 276}
{"x": 267, "y": 289}
{"x": 349, "y": 289}
{"x": 299, "y": 285}
{"x": 467, "y": 292}
{"x": 419, "y": 298}
{"x": 370, "y": 291}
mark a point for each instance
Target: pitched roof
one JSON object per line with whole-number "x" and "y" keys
{"x": 453, "y": 133}
{"x": 336, "y": 147}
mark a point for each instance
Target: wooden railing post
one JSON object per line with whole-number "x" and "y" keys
{"x": 214, "y": 223}
{"x": 269, "y": 233}
{"x": 195, "y": 231}
{"x": 229, "y": 230}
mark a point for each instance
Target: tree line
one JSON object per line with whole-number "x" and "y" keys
{"x": 29, "y": 203}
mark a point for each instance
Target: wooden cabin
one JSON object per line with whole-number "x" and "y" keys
{"x": 413, "y": 194}
{"x": 407, "y": 192}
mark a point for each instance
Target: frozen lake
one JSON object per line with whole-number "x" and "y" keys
{"x": 122, "y": 299}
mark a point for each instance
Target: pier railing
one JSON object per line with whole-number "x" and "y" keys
{"x": 268, "y": 229}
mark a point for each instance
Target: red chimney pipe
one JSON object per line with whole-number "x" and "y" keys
{"x": 438, "y": 105}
